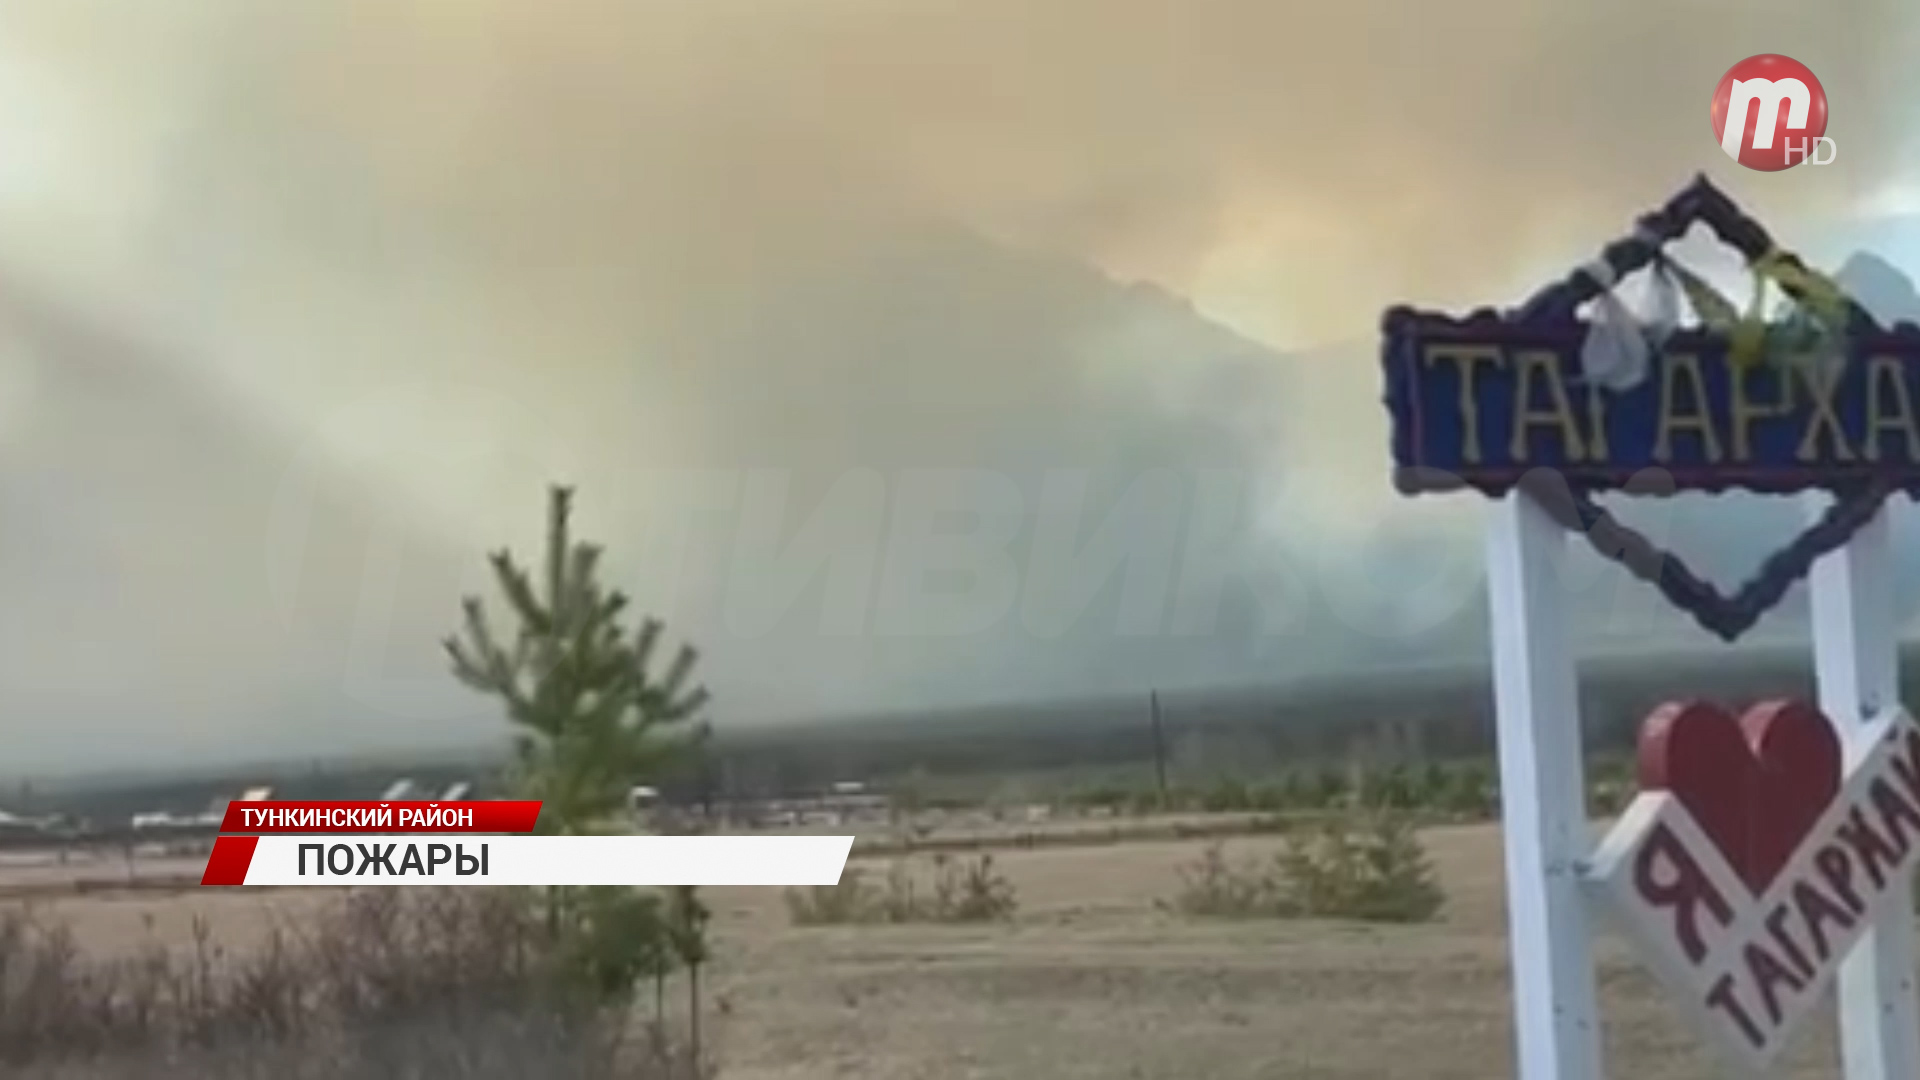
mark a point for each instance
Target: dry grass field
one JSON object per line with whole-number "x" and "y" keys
{"x": 1093, "y": 980}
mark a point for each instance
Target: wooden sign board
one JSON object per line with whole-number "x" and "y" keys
{"x": 1769, "y": 857}
{"x": 1481, "y": 404}
{"x": 1825, "y": 400}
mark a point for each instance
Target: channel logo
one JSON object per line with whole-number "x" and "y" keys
{"x": 1770, "y": 113}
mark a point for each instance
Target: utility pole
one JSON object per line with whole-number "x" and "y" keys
{"x": 1159, "y": 746}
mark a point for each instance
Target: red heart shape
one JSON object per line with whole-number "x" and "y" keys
{"x": 1756, "y": 785}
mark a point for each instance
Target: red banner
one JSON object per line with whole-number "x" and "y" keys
{"x": 482, "y": 816}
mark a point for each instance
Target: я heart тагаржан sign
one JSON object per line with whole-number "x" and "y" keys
{"x": 1758, "y": 851}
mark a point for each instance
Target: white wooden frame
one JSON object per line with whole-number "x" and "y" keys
{"x": 1857, "y": 662}
{"x": 1543, "y": 795}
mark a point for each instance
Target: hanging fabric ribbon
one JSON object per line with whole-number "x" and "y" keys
{"x": 1800, "y": 340}
{"x": 1746, "y": 333}
{"x": 1614, "y": 353}
{"x": 1715, "y": 312}
{"x": 1663, "y": 302}
{"x": 1618, "y": 348}
{"x": 1747, "y": 344}
{"x": 1814, "y": 334}
{"x": 1810, "y": 289}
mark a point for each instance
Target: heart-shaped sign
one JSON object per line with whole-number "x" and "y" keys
{"x": 1756, "y": 785}
{"x": 1759, "y": 851}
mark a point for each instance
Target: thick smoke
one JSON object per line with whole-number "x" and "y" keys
{"x": 434, "y": 254}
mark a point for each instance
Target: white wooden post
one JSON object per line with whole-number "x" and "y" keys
{"x": 1856, "y": 660}
{"x": 1542, "y": 795}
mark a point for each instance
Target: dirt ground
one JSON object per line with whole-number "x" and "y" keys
{"x": 1094, "y": 980}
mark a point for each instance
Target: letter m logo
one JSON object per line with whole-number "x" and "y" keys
{"x": 1766, "y": 96}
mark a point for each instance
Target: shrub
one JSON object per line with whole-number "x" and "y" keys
{"x": 1369, "y": 866}
{"x": 968, "y": 890}
{"x": 1331, "y": 787}
{"x": 849, "y": 900}
{"x": 1213, "y": 887}
{"x": 1470, "y": 790}
{"x": 458, "y": 983}
{"x": 1226, "y": 795}
{"x": 1365, "y": 866}
{"x": 1611, "y": 785}
{"x": 1105, "y": 796}
{"x": 1393, "y": 788}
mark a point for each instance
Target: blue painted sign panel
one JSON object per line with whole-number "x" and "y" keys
{"x": 1480, "y": 402}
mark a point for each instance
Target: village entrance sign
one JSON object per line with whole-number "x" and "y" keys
{"x": 1770, "y": 852}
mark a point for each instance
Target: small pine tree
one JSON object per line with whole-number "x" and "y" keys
{"x": 594, "y": 717}
{"x": 1330, "y": 788}
{"x": 1400, "y": 881}
{"x": 1295, "y": 792}
{"x": 620, "y": 938}
{"x": 1366, "y": 865}
{"x": 594, "y": 720}
{"x": 687, "y": 919}
{"x": 1433, "y": 786}
{"x": 1471, "y": 790}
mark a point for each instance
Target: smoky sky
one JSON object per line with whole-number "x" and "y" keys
{"x": 309, "y": 302}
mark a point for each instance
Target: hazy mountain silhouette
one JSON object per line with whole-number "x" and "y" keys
{"x": 183, "y": 585}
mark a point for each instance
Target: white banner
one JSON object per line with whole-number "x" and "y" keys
{"x": 449, "y": 859}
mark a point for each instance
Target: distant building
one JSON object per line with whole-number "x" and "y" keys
{"x": 843, "y": 802}
{"x": 14, "y": 823}
{"x": 402, "y": 788}
{"x": 256, "y": 794}
{"x": 457, "y": 792}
